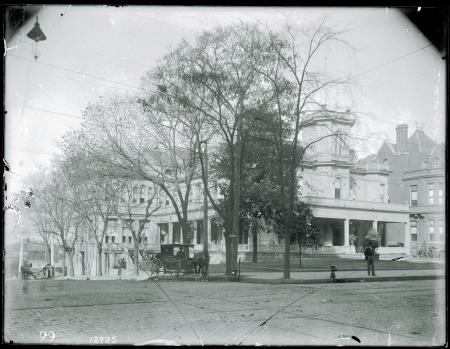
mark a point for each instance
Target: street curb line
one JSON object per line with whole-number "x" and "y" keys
{"x": 330, "y": 281}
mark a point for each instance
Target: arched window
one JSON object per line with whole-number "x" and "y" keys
{"x": 386, "y": 164}
{"x": 351, "y": 155}
{"x": 352, "y": 188}
{"x": 337, "y": 188}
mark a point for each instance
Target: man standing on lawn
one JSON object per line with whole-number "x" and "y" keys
{"x": 369, "y": 252}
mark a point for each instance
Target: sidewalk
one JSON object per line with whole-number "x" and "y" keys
{"x": 303, "y": 277}
{"x": 312, "y": 277}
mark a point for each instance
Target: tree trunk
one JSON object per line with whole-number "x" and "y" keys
{"x": 71, "y": 266}
{"x": 236, "y": 199}
{"x": 299, "y": 253}
{"x": 99, "y": 260}
{"x": 287, "y": 255}
{"x": 185, "y": 231}
{"x": 227, "y": 254}
{"x": 49, "y": 255}
{"x": 64, "y": 260}
{"x": 255, "y": 245}
{"x": 136, "y": 258}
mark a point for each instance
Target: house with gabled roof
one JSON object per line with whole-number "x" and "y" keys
{"x": 417, "y": 178}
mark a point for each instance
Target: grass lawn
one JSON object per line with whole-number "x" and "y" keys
{"x": 323, "y": 262}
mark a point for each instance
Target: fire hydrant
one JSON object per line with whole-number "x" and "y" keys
{"x": 333, "y": 268}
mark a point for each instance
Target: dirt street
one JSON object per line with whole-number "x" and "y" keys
{"x": 187, "y": 312}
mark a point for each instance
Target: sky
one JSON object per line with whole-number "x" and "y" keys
{"x": 95, "y": 50}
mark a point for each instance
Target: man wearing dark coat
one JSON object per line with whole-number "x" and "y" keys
{"x": 369, "y": 252}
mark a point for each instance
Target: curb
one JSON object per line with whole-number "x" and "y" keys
{"x": 273, "y": 270}
{"x": 335, "y": 281}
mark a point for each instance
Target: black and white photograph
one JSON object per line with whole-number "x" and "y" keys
{"x": 224, "y": 175}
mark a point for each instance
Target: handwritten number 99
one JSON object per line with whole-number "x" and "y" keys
{"x": 47, "y": 336}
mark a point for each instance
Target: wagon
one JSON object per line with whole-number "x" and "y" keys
{"x": 177, "y": 259}
{"x": 35, "y": 269}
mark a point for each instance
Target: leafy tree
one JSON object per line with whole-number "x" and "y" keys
{"x": 215, "y": 78}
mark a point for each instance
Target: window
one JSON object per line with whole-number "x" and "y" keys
{"x": 129, "y": 239}
{"x": 337, "y": 188}
{"x": 431, "y": 230}
{"x": 150, "y": 192}
{"x": 338, "y": 145}
{"x": 435, "y": 162}
{"x": 300, "y": 186}
{"x": 142, "y": 194}
{"x": 431, "y": 193}
{"x": 113, "y": 238}
{"x": 382, "y": 192}
{"x": 440, "y": 193}
{"x": 145, "y": 240}
{"x": 124, "y": 238}
{"x": 135, "y": 193}
{"x": 106, "y": 238}
{"x": 413, "y": 189}
{"x": 351, "y": 155}
{"x": 413, "y": 231}
{"x": 441, "y": 231}
{"x": 352, "y": 188}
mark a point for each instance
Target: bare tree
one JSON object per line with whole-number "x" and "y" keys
{"x": 132, "y": 211}
{"x": 93, "y": 194}
{"x": 53, "y": 198}
{"x": 297, "y": 89}
{"x": 130, "y": 139}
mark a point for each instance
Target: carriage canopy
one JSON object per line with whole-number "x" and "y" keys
{"x": 173, "y": 249}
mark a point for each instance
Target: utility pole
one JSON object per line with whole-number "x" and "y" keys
{"x": 205, "y": 200}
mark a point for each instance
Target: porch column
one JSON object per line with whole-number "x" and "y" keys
{"x": 346, "y": 232}
{"x": 170, "y": 232}
{"x": 181, "y": 233}
{"x": 195, "y": 232}
{"x": 375, "y": 225}
{"x": 407, "y": 239}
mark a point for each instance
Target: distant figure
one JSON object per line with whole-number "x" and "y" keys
{"x": 49, "y": 271}
{"x": 369, "y": 252}
{"x": 180, "y": 254}
{"x": 23, "y": 272}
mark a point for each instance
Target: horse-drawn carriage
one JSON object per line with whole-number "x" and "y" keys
{"x": 35, "y": 270}
{"x": 180, "y": 259}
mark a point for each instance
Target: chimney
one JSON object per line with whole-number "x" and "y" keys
{"x": 402, "y": 137}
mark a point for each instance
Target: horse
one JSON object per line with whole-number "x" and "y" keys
{"x": 201, "y": 262}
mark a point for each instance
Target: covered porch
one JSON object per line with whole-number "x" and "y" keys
{"x": 345, "y": 223}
